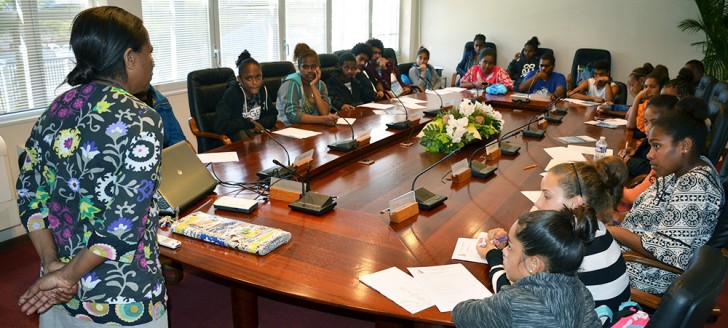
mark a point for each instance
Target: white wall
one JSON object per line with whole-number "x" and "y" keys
{"x": 634, "y": 32}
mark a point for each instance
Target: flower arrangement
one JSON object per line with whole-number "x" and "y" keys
{"x": 459, "y": 126}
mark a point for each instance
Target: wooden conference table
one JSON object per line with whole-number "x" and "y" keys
{"x": 321, "y": 264}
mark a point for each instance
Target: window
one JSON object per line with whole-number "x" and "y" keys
{"x": 385, "y": 22}
{"x": 349, "y": 23}
{"x": 251, "y": 25}
{"x": 305, "y": 23}
{"x": 35, "y": 55}
{"x": 177, "y": 30}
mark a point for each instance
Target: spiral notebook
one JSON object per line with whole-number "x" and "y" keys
{"x": 241, "y": 235}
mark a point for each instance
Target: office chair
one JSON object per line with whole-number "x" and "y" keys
{"x": 205, "y": 89}
{"x": 705, "y": 87}
{"x": 404, "y": 68}
{"x": 621, "y": 96}
{"x": 585, "y": 56}
{"x": 273, "y": 74}
{"x": 689, "y": 300}
{"x": 718, "y": 135}
{"x": 328, "y": 63}
{"x": 338, "y": 53}
{"x": 467, "y": 48}
{"x": 718, "y": 89}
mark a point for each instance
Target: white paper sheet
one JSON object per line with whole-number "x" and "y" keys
{"x": 398, "y": 287}
{"x": 388, "y": 111}
{"x": 378, "y": 105}
{"x": 454, "y": 89}
{"x": 566, "y": 154}
{"x": 343, "y": 122}
{"x": 602, "y": 124}
{"x": 410, "y": 100}
{"x": 533, "y": 196}
{"x": 465, "y": 250}
{"x": 581, "y": 102}
{"x": 411, "y": 106}
{"x": 296, "y": 133}
{"x": 448, "y": 285}
{"x": 228, "y": 156}
{"x": 587, "y": 150}
{"x": 616, "y": 121}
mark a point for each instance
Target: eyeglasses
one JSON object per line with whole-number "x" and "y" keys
{"x": 578, "y": 183}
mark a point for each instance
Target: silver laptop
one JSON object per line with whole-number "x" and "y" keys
{"x": 185, "y": 179}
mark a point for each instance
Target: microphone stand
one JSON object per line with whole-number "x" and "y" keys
{"x": 538, "y": 133}
{"x": 274, "y": 171}
{"x": 432, "y": 112}
{"x": 401, "y": 125}
{"x": 427, "y": 200}
{"x": 344, "y": 145}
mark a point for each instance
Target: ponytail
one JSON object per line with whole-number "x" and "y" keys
{"x": 599, "y": 184}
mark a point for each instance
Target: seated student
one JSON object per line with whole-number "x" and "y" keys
{"x": 698, "y": 70}
{"x": 363, "y": 52}
{"x": 423, "y": 70}
{"x": 681, "y": 85}
{"x": 303, "y": 97}
{"x": 636, "y": 114}
{"x": 522, "y": 64}
{"x": 300, "y": 47}
{"x": 541, "y": 258}
{"x": 172, "y": 130}
{"x": 385, "y": 74}
{"x": 470, "y": 55}
{"x": 486, "y": 73}
{"x": 678, "y": 213}
{"x": 599, "y": 187}
{"x": 544, "y": 81}
{"x": 244, "y": 110}
{"x": 635, "y": 83}
{"x": 595, "y": 88}
{"x": 347, "y": 86}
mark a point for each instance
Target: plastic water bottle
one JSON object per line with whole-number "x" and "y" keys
{"x": 600, "y": 151}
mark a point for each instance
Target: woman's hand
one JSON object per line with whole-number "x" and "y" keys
{"x": 423, "y": 68}
{"x": 53, "y": 288}
{"x": 498, "y": 234}
{"x": 517, "y": 56}
{"x": 380, "y": 95}
{"x": 315, "y": 81}
{"x": 347, "y": 107}
{"x": 330, "y": 119}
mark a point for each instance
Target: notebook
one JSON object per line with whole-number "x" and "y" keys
{"x": 185, "y": 179}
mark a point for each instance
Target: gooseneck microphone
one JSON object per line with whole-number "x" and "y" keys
{"x": 312, "y": 202}
{"x": 426, "y": 199}
{"x": 344, "y": 145}
{"x": 274, "y": 171}
{"x": 401, "y": 125}
{"x": 538, "y": 133}
{"x": 431, "y": 112}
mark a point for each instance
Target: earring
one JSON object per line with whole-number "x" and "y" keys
{"x": 530, "y": 271}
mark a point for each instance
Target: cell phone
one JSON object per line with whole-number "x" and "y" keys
{"x": 405, "y": 144}
{"x": 366, "y": 161}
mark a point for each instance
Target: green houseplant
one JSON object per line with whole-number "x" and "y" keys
{"x": 713, "y": 21}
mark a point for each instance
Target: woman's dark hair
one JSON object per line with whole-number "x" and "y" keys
{"x": 559, "y": 237}
{"x": 305, "y": 54}
{"x": 376, "y": 43}
{"x": 362, "y": 48}
{"x": 486, "y": 52}
{"x": 549, "y": 56}
{"x": 662, "y": 103}
{"x": 687, "y": 121}
{"x": 660, "y": 74}
{"x": 346, "y": 57}
{"x": 682, "y": 83}
{"x": 600, "y": 183}
{"x": 244, "y": 60}
{"x": 423, "y": 50}
{"x": 533, "y": 42}
{"x": 643, "y": 71}
{"x": 298, "y": 50}
{"x": 479, "y": 37}
{"x": 99, "y": 38}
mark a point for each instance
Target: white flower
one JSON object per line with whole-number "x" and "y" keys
{"x": 456, "y": 129}
{"x": 466, "y": 107}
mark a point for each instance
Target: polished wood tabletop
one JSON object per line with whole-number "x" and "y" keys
{"x": 326, "y": 255}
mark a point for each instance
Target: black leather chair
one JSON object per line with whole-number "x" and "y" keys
{"x": 469, "y": 47}
{"x": 328, "y": 63}
{"x": 404, "y": 68}
{"x": 338, "y": 53}
{"x": 719, "y": 239}
{"x": 723, "y": 97}
{"x": 205, "y": 89}
{"x": 705, "y": 87}
{"x": 718, "y": 89}
{"x": 273, "y": 73}
{"x": 541, "y": 51}
{"x": 718, "y": 135}
{"x": 689, "y": 300}
{"x": 621, "y": 96}
{"x": 585, "y": 56}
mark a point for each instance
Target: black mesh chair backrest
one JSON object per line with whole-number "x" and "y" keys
{"x": 718, "y": 89}
{"x": 404, "y": 68}
{"x": 705, "y": 87}
{"x": 585, "y": 56}
{"x": 719, "y": 239}
{"x": 205, "y": 89}
{"x": 621, "y": 96}
{"x": 690, "y": 299}
{"x": 273, "y": 73}
{"x": 328, "y": 63}
{"x": 718, "y": 135}
{"x": 338, "y": 53}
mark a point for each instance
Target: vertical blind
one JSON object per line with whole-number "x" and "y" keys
{"x": 385, "y": 22}
{"x": 306, "y": 23}
{"x": 349, "y": 23}
{"x": 251, "y": 25}
{"x": 35, "y": 55}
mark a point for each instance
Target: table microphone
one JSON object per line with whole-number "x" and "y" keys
{"x": 432, "y": 112}
{"x": 538, "y": 133}
{"x": 287, "y": 168}
{"x": 401, "y": 125}
{"x": 312, "y": 202}
{"x": 344, "y": 145}
{"x": 274, "y": 171}
{"x": 427, "y": 200}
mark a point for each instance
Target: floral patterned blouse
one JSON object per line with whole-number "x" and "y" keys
{"x": 497, "y": 75}
{"x": 89, "y": 174}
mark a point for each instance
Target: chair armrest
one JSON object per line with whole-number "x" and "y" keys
{"x": 644, "y": 298}
{"x": 636, "y": 180}
{"x": 196, "y": 131}
{"x": 454, "y": 79}
{"x": 639, "y": 258}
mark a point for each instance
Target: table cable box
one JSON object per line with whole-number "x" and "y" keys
{"x": 234, "y": 204}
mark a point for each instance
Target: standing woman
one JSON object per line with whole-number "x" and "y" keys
{"x": 85, "y": 188}
{"x": 303, "y": 97}
{"x": 244, "y": 110}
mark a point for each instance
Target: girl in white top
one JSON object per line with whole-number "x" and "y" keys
{"x": 595, "y": 89}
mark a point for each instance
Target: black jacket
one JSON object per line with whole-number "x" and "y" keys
{"x": 361, "y": 90}
{"x": 229, "y": 112}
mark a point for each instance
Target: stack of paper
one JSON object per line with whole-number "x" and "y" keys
{"x": 296, "y": 133}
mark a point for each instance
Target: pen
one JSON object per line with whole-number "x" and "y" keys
{"x": 530, "y": 167}
{"x": 502, "y": 239}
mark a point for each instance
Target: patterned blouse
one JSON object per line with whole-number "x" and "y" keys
{"x": 674, "y": 217}
{"x": 89, "y": 175}
{"x": 497, "y": 75}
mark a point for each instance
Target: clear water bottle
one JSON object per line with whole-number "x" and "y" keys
{"x": 600, "y": 151}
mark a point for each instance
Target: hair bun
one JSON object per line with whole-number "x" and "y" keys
{"x": 694, "y": 107}
{"x": 584, "y": 221}
{"x": 81, "y": 74}
{"x": 243, "y": 56}
{"x": 648, "y": 68}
